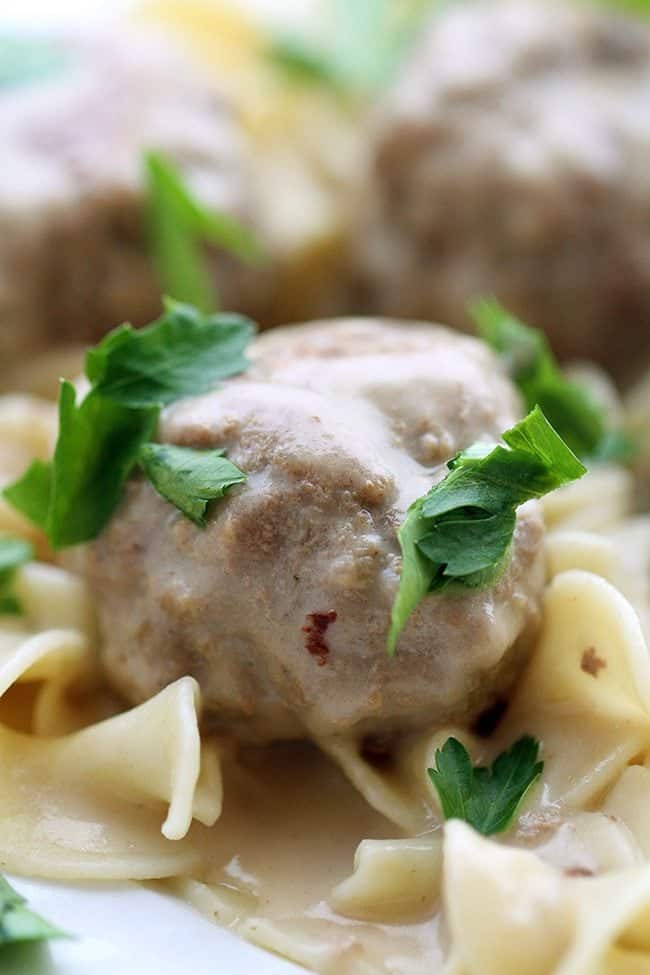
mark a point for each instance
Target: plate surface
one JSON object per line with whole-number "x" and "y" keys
{"x": 126, "y": 929}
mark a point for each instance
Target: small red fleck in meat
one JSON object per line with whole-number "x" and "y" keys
{"x": 591, "y": 663}
{"x": 315, "y": 629}
{"x": 579, "y": 872}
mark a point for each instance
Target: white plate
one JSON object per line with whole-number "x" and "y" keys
{"x": 126, "y": 929}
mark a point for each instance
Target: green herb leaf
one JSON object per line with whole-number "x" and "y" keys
{"x": 18, "y": 922}
{"x": 486, "y": 798}
{"x": 14, "y": 552}
{"x": 183, "y": 353}
{"x": 302, "y": 62}
{"x": 179, "y": 227}
{"x": 369, "y": 41}
{"x": 639, "y": 7}
{"x": 73, "y": 497}
{"x": 189, "y": 478}
{"x": 461, "y": 531}
{"x": 30, "y": 494}
{"x": 569, "y": 406}
{"x": 132, "y": 375}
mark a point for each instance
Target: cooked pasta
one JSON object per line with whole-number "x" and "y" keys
{"x": 91, "y": 791}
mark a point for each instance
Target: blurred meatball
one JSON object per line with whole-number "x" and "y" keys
{"x": 512, "y": 158}
{"x": 73, "y": 255}
{"x": 280, "y": 606}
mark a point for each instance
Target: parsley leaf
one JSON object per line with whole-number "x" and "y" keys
{"x": 461, "y": 531}
{"x": 178, "y": 228}
{"x": 370, "y": 39}
{"x": 132, "y": 375}
{"x": 14, "y": 552}
{"x": 18, "y": 922}
{"x": 73, "y": 496}
{"x": 579, "y": 419}
{"x": 486, "y": 798}
{"x": 189, "y": 478}
{"x": 183, "y": 353}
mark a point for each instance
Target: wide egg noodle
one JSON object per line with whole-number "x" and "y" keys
{"x": 89, "y": 805}
{"x": 598, "y": 501}
{"x": 586, "y": 693}
{"x": 508, "y": 912}
{"x": 593, "y": 527}
{"x": 49, "y": 646}
{"x": 591, "y": 727}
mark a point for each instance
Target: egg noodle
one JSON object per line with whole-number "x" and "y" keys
{"x": 90, "y": 791}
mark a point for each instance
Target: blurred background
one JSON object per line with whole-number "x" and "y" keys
{"x": 293, "y": 159}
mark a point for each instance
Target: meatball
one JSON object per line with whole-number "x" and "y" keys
{"x": 280, "y": 606}
{"x": 73, "y": 256}
{"x": 511, "y": 159}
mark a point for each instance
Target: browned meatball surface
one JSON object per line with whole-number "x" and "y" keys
{"x": 280, "y": 606}
{"x": 511, "y": 159}
{"x": 74, "y": 259}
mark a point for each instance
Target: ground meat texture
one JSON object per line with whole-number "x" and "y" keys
{"x": 73, "y": 256}
{"x": 511, "y": 159}
{"x": 280, "y": 606}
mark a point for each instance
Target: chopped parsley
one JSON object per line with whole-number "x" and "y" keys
{"x": 18, "y": 922}
{"x": 460, "y": 532}
{"x": 638, "y": 7}
{"x": 188, "y": 478}
{"x": 72, "y": 497}
{"x": 578, "y": 418}
{"x": 14, "y": 552}
{"x": 369, "y": 41}
{"x": 486, "y": 798}
{"x": 183, "y": 353}
{"x": 179, "y": 227}
{"x": 101, "y": 439}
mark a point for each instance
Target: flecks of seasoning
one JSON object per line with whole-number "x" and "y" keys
{"x": 591, "y": 663}
{"x": 579, "y": 872}
{"x": 488, "y": 720}
{"x": 315, "y": 629}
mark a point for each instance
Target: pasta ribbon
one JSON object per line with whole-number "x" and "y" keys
{"x": 85, "y": 806}
{"x": 393, "y": 880}
{"x": 508, "y": 912}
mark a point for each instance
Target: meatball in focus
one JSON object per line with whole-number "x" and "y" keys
{"x": 73, "y": 255}
{"x": 280, "y": 607}
{"x": 511, "y": 159}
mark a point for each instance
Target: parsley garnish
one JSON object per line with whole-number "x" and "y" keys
{"x": 188, "y": 478}
{"x": 569, "y": 406}
{"x": 486, "y": 798}
{"x": 461, "y": 531}
{"x": 179, "y": 227}
{"x": 370, "y": 39}
{"x": 638, "y": 7}
{"x": 14, "y": 552}
{"x": 72, "y": 497}
{"x": 132, "y": 375}
{"x": 18, "y": 922}
{"x": 184, "y": 353}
